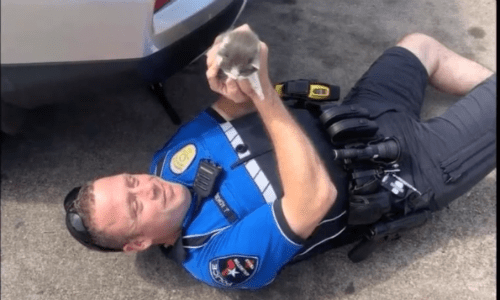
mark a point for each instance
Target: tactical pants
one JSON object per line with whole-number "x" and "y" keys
{"x": 442, "y": 157}
{"x": 445, "y": 155}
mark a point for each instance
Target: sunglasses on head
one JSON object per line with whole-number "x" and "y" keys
{"x": 75, "y": 225}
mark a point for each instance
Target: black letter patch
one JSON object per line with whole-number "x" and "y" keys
{"x": 225, "y": 209}
{"x": 233, "y": 270}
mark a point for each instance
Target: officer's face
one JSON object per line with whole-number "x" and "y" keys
{"x": 142, "y": 205}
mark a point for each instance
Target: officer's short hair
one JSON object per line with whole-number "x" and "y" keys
{"x": 85, "y": 207}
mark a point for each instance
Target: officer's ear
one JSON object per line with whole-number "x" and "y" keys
{"x": 136, "y": 245}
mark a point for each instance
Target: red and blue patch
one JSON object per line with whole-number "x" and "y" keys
{"x": 233, "y": 270}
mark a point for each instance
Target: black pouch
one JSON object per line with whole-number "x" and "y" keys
{"x": 368, "y": 209}
{"x": 356, "y": 129}
{"x": 347, "y": 123}
{"x": 340, "y": 112}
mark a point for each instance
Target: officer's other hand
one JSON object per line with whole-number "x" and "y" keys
{"x": 229, "y": 88}
{"x": 265, "y": 82}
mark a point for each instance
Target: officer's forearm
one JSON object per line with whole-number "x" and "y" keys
{"x": 308, "y": 190}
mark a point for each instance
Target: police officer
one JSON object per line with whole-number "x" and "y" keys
{"x": 243, "y": 189}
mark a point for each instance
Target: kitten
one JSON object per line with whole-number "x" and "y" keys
{"x": 238, "y": 58}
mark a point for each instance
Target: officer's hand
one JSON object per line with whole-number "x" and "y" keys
{"x": 228, "y": 88}
{"x": 263, "y": 73}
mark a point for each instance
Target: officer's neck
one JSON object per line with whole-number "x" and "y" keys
{"x": 170, "y": 239}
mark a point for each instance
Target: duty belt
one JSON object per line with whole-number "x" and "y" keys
{"x": 381, "y": 203}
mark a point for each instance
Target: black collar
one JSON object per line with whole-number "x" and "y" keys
{"x": 178, "y": 253}
{"x": 175, "y": 252}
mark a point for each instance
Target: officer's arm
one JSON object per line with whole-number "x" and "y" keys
{"x": 448, "y": 71}
{"x": 308, "y": 190}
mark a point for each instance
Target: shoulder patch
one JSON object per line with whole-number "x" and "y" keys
{"x": 182, "y": 159}
{"x": 233, "y": 270}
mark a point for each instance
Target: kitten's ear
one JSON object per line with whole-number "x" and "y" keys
{"x": 256, "y": 60}
{"x": 222, "y": 52}
{"x": 256, "y": 63}
{"x": 218, "y": 60}
{"x": 219, "y": 38}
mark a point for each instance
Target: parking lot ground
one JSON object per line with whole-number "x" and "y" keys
{"x": 117, "y": 129}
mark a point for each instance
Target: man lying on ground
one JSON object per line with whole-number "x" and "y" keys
{"x": 252, "y": 185}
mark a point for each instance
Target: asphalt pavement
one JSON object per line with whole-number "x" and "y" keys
{"x": 98, "y": 130}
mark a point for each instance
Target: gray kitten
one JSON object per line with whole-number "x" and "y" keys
{"x": 238, "y": 57}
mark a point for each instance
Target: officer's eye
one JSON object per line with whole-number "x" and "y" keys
{"x": 156, "y": 192}
{"x": 135, "y": 206}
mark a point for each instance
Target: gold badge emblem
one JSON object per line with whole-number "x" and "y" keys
{"x": 182, "y": 159}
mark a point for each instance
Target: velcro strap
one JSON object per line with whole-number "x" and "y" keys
{"x": 359, "y": 174}
{"x": 365, "y": 186}
{"x": 352, "y": 129}
{"x": 339, "y": 112}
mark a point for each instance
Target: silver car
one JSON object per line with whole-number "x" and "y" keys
{"x": 49, "y": 42}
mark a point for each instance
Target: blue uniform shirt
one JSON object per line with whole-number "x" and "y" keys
{"x": 238, "y": 237}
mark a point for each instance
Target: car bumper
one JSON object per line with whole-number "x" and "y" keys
{"x": 42, "y": 78}
{"x": 169, "y": 60}
{"x": 54, "y": 31}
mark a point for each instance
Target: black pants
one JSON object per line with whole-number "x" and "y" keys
{"x": 446, "y": 155}
{"x": 443, "y": 157}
